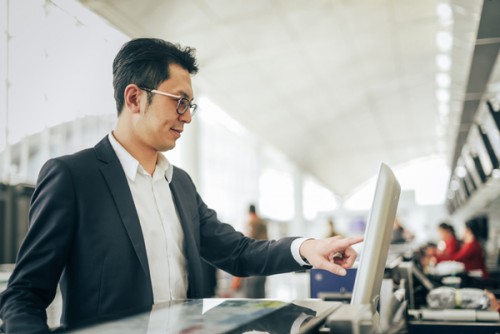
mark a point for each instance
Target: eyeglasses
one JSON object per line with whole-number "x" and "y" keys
{"x": 183, "y": 104}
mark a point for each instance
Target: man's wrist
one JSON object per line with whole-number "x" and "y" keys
{"x": 295, "y": 248}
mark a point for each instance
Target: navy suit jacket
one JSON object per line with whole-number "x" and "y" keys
{"x": 85, "y": 233}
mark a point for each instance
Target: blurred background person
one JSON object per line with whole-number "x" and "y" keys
{"x": 253, "y": 286}
{"x": 448, "y": 245}
{"x": 257, "y": 227}
{"x": 400, "y": 235}
{"x": 331, "y": 228}
{"x": 471, "y": 253}
{"x": 425, "y": 256}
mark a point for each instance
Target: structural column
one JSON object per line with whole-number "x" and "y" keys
{"x": 5, "y": 165}
{"x": 297, "y": 227}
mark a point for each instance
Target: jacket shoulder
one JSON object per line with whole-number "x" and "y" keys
{"x": 101, "y": 151}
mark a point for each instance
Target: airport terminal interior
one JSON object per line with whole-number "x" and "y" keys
{"x": 319, "y": 119}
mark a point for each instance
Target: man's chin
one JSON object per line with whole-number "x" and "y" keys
{"x": 167, "y": 147}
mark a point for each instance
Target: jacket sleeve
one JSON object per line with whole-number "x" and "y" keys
{"x": 231, "y": 251}
{"x": 43, "y": 254}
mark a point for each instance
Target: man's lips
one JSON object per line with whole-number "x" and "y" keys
{"x": 176, "y": 131}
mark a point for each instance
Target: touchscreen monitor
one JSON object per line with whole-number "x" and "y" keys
{"x": 378, "y": 235}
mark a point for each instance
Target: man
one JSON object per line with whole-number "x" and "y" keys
{"x": 121, "y": 228}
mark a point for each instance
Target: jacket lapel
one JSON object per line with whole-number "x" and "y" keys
{"x": 117, "y": 183}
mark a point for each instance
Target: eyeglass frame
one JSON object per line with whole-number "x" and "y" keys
{"x": 190, "y": 106}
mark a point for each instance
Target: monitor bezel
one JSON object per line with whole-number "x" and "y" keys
{"x": 378, "y": 234}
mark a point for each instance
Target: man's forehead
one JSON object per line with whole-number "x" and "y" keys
{"x": 179, "y": 80}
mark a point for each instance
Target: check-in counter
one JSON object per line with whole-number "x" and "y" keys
{"x": 453, "y": 321}
{"x": 223, "y": 316}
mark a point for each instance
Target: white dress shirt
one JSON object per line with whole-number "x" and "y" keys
{"x": 161, "y": 228}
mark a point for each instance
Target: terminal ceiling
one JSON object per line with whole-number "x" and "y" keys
{"x": 338, "y": 86}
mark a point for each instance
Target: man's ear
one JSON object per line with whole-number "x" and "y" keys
{"x": 132, "y": 95}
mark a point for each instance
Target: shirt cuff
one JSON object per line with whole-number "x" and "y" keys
{"x": 295, "y": 248}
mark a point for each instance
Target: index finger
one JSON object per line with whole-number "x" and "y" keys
{"x": 355, "y": 240}
{"x": 342, "y": 244}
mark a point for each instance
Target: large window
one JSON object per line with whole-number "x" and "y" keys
{"x": 317, "y": 199}
{"x": 277, "y": 194}
{"x": 55, "y": 68}
{"x": 427, "y": 177}
{"x": 229, "y": 164}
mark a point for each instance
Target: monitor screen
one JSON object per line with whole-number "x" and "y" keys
{"x": 489, "y": 147}
{"x": 462, "y": 192}
{"x": 494, "y": 110}
{"x": 471, "y": 167}
{"x": 488, "y": 119}
{"x": 465, "y": 187}
{"x": 479, "y": 167}
{"x": 378, "y": 234}
{"x": 466, "y": 180}
{"x": 477, "y": 147}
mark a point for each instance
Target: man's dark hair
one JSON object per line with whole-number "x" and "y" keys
{"x": 145, "y": 62}
{"x": 252, "y": 209}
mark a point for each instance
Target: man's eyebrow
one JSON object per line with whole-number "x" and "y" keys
{"x": 185, "y": 95}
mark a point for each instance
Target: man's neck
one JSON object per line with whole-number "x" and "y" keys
{"x": 146, "y": 158}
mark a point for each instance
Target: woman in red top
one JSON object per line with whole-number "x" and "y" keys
{"x": 449, "y": 244}
{"x": 471, "y": 252}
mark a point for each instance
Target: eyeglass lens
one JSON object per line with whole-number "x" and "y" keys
{"x": 184, "y": 105}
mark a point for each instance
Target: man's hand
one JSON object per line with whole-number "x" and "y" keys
{"x": 333, "y": 254}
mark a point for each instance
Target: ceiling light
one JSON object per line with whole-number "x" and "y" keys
{"x": 454, "y": 185}
{"x": 443, "y": 62}
{"x": 443, "y": 95}
{"x": 444, "y": 40}
{"x": 443, "y": 80}
{"x": 444, "y": 13}
{"x": 460, "y": 171}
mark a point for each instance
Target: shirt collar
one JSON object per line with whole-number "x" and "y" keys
{"x": 165, "y": 166}
{"x": 131, "y": 166}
